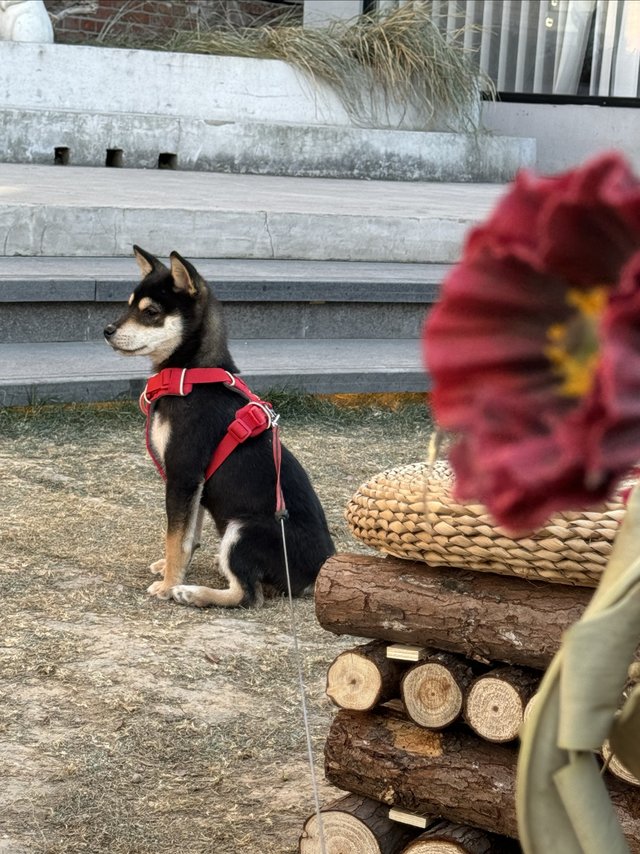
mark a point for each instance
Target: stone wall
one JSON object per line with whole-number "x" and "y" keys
{"x": 91, "y": 21}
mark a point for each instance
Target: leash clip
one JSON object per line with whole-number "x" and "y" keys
{"x": 268, "y": 411}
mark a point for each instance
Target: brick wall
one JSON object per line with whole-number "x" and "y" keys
{"x": 90, "y": 21}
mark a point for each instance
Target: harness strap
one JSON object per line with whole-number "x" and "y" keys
{"x": 250, "y": 420}
{"x": 180, "y": 382}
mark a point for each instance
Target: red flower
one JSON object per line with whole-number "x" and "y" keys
{"x": 534, "y": 347}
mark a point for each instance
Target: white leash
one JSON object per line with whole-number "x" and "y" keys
{"x": 303, "y": 696}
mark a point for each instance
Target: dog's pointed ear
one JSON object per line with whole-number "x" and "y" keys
{"x": 186, "y": 278}
{"x": 146, "y": 261}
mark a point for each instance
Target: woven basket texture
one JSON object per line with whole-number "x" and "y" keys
{"x": 409, "y": 512}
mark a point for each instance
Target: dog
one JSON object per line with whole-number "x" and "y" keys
{"x": 174, "y": 318}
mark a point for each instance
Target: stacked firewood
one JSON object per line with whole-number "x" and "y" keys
{"x": 430, "y": 707}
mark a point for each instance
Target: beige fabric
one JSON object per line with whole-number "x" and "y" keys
{"x": 410, "y": 512}
{"x": 562, "y": 801}
{"x": 625, "y": 733}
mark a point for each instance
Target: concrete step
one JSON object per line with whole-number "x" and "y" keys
{"x": 82, "y": 211}
{"x": 45, "y": 299}
{"x": 138, "y": 140}
{"x": 91, "y": 371}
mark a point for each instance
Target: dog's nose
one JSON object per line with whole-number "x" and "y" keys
{"x": 109, "y": 330}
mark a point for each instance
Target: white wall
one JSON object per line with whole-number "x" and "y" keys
{"x": 93, "y": 79}
{"x": 568, "y": 134}
{"x": 319, "y": 13}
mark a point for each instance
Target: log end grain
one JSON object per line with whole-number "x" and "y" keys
{"x": 353, "y": 682}
{"x": 494, "y": 710}
{"x": 445, "y": 837}
{"x": 342, "y": 832}
{"x": 354, "y": 825}
{"x": 435, "y": 846}
{"x": 431, "y": 695}
{"x": 616, "y": 767}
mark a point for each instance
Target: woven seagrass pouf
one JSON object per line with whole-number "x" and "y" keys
{"x": 409, "y": 512}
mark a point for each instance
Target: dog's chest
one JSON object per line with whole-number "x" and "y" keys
{"x": 159, "y": 435}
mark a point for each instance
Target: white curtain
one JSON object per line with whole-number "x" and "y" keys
{"x": 616, "y": 55}
{"x": 548, "y": 46}
{"x": 573, "y": 26}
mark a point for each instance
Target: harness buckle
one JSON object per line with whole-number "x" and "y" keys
{"x": 239, "y": 430}
{"x": 250, "y": 420}
{"x": 173, "y": 382}
{"x": 272, "y": 418}
{"x": 170, "y": 381}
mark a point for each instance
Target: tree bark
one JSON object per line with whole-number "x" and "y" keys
{"x": 452, "y": 773}
{"x": 482, "y": 616}
{"x": 445, "y": 837}
{"x": 357, "y": 825}
{"x": 433, "y": 691}
{"x": 495, "y": 703}
{"x": 362, "y": 677}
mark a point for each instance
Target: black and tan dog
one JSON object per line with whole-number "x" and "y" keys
{"x": 174, "y": 318}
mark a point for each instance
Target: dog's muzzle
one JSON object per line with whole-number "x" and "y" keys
{"x": 109, "y": 331}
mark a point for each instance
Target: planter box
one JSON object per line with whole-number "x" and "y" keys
{"x": 180, "y": 85}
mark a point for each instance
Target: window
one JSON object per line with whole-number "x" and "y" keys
{"x": 579, "y": 48}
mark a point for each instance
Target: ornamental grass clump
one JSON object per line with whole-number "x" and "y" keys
{"x": 534, "y": 348}
{"x": 372, "y": 62}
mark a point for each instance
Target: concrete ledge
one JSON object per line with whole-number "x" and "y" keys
{"x": 80, "y": 321}
{"x": 53, "y": 280}
{"x": 262, "y": 148}
{"x": 90, "y": 372}
{"x": 101, "y": 212}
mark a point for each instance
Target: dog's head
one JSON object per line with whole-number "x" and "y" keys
{"x": 164, "y": 310}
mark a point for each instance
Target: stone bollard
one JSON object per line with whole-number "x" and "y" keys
{"x": 24, "y": 21}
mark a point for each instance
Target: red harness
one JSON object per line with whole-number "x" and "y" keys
{"x": 251, "y": 420}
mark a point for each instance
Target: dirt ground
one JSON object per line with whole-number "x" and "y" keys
{"x": 133, "y": 725}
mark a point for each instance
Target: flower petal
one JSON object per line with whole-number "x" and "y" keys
{"x": 527, "y": 446}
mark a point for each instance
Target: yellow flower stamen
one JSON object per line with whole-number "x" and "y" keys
{"x": 574, "y": 347}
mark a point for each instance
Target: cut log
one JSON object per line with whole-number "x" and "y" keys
{"x": 445, "y": 837}
{"x": 355, "y": 825}
{"x": 495, "y": 703}
{"x": 529, "y": 707}
{"x": 433, "y": 691}
{"x": 482, "y": 616}
{"x": 615, "y": 767}
{"x": 452, "y": 773}
{"x": 362, "y": 677}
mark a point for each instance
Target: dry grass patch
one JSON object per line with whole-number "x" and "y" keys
{"x": 402, "y": 56}
{"x": 134, "y": 725}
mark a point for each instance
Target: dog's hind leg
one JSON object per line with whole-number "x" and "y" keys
{"x": 183, "y": 524}
{"x": 238, "y": 593}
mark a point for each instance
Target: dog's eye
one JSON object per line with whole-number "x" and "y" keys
{"x": 151, "y": 311}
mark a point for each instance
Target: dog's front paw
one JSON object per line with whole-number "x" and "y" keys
{"x": 160, "y": 589}
{"x": 158, "y": 566}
